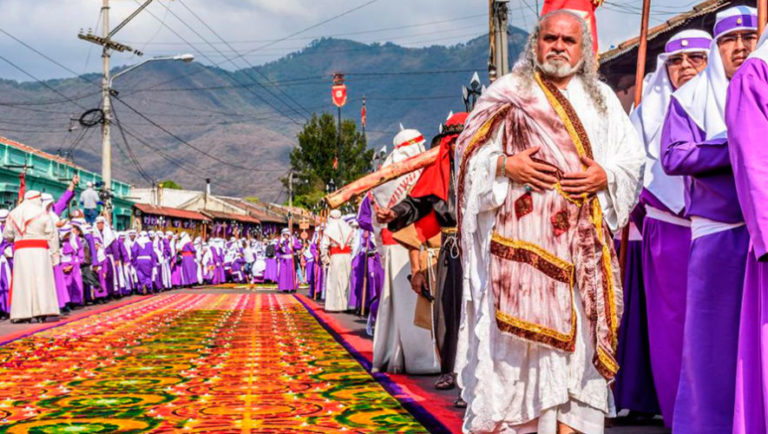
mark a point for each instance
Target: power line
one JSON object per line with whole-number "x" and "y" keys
{"x": 182, "y": 141}
{"x": 43, "y": 55}
{"x": 130, "y": 155}
{"x": 347, "y": 12}
{"x": 253, "y": 68}
{"x": 276, "y": 40}
{"x": 332, "y": 35}
{"x": 229, "y": 74}
{"x": 23, "y": 71}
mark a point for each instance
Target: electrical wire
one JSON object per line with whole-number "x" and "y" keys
{"x": 253, "y": 68}
{"x": 46, "y": 85}
{"x": 182, "y": 141}
{"x": 346, "y": 12}
{"x": 229, "y": 74}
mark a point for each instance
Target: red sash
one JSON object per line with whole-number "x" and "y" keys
{"x": 30, "y": 244}
{"x": 335, "y": 250}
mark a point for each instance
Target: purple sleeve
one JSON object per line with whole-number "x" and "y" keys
{"x": 80, "y": 252}
{"x": 63, "y": 202}
{"x": 92, "y": 247}
{"x": 124, "y": 256}
{"x": 683, "y": 149}
{"x": 747, "y": 118}
{"x": 134, "y": 252}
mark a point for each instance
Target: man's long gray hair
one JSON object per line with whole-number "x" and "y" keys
{"x": 528, "y": 63}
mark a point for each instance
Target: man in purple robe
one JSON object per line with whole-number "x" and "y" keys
{"x": 665, "y": 242}
{"x": 694, "y": 144}
{"x": 144, "y": 262}
{"x": 108, "y": 238}
{"x": 747, "y": 118}
{"x": 71, "y": 258}
{"x": 286, "y": 280}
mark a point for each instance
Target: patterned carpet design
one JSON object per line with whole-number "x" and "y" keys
{"x": 220, "y": 363}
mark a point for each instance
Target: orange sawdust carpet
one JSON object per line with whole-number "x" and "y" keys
{"x": 251, "y": 362}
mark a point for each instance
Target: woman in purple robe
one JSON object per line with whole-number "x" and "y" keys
{"x": 286, "y": 281}
{"x": 188, "y": 263}
{"x": 71, "y": 258}
{"x": 666, "y": 240}
{"x": 747, "y": 120}
{"x": 694, "y": 145}
{"x": 144, "y": 262}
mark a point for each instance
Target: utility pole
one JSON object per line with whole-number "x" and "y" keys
{"x": 106, "y": 144}
{"x": 498, "y": 59}
{"x": 290, "y": 200}
{"x": 108, "y": 45}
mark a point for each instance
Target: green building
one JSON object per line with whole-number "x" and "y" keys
{"x": 51, "y": 174}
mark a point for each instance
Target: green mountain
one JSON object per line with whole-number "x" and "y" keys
{"x": 239, "y": 126}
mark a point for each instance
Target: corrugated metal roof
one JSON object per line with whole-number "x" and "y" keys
{"x": 230, "y": 216}
{"x": 170, "y": 212}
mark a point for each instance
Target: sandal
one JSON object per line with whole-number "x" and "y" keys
{"x": 445, "y": 382}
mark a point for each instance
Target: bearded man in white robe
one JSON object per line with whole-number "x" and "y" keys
{"x": 549, "y": 165}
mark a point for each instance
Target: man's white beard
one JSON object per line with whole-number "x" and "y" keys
{"x": 558, "y": 69}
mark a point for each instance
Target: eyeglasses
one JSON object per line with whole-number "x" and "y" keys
{"x": 695, "y": 59}
{"x": 746, "y": 38}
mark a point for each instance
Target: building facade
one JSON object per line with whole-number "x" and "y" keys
{"x": 51, "y": 174}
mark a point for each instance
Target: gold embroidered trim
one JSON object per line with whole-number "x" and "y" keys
{"x": 564, "y": 266}
{"x": 580, "y": 139}
{"x": 449, "y": 231}
{"x": 538, "y": 333}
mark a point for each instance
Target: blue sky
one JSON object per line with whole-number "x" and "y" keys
{"x": 253, "y": 26}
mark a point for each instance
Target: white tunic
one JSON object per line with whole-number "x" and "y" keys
{"x": 399, "y": 346}
{"x": 509, "y": 382}
{"x": 33, "y": 289}
{"x": 338, "y": 235}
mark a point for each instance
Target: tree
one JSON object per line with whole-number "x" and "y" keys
{"x": 169, "y": 183}
{"x": 312, "y": 160}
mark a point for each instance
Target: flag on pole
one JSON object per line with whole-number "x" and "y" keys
{"x": 336, "y": 163}
{"x": 583, "y": 8}
{"x": 22, "y": 185}
{"x": 362, "y": 115}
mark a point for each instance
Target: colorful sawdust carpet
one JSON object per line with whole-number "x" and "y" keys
{"x": 192, "y": 363}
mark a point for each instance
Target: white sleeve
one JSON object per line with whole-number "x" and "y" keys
{"x": 624, "y": 163}
{"x": 483, "y": 190}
